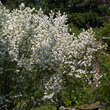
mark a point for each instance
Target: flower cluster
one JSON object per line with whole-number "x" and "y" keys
{"x": 37, "y": 39}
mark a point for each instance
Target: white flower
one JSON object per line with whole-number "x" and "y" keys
{"x": 22, "y": 5}
{"x": 48, "y": 96}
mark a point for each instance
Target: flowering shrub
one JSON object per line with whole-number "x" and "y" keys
{"x": 41, "y": 42}
{"x": 37, "y": 38}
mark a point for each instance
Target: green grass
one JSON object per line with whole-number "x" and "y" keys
{"x": 46, "y": 107}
